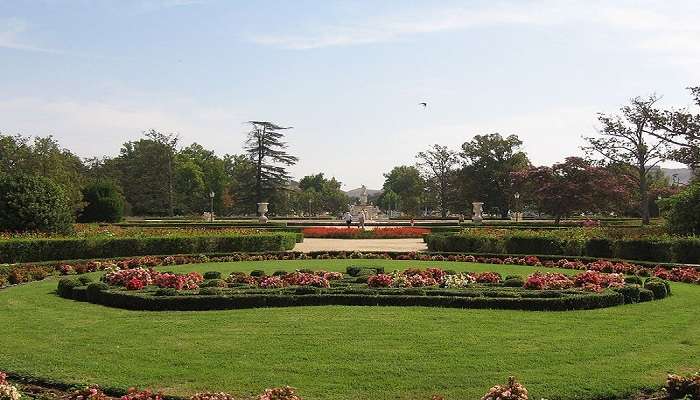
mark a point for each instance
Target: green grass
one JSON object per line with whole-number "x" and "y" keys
{"x": 352, "y": 352}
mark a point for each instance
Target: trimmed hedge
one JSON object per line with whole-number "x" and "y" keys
{"x": 678, "y": 250}
{"x": 27, "y": 250}
{"x": 212, "y": 299}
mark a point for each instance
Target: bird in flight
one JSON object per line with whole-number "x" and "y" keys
{"x": 425, "y": 105}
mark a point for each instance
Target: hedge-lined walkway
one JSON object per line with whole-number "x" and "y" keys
{"x": 374, "y": 245}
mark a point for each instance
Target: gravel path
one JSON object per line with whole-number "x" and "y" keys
{"x": 374, "y": 245}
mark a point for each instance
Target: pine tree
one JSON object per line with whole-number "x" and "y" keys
{"x": 268, "y": 152}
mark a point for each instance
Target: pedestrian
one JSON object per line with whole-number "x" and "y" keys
{"x": 361, "y": 219}
{"x": 348, "y": 218}
{"x": 413, "y": 221}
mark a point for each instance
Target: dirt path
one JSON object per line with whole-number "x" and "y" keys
{"x": 374, "y": 245}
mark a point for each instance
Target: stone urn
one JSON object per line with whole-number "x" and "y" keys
{"x": 262, "y": 209}
{"x": 477, "y": 210}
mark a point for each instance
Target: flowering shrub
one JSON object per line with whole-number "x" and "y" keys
{"x": 380, "y": 280}
{"x": 283, "y": 393}
{"x": 120, "y": 277}
{"x": 355, "y": 233}
{"x": 681, "y": 387}
{"x": 595, "y": 281}
{"x": 240, "y": 277}
{"x": 305, "y": 279}
{"x": 135, "y": 284}
{"x": 512, "y": 391}
{"x": 332, "y": 276}
{"x": 212, "y": 396}
{"x": 488, "y": 277}
{"x": 401, "y": 232}
{"x": 272, "y": 282}
{"x": 66, "y": 269}
{"x": 458, "y": 281}
{"x": 7, "y": 391}
{"x": 135, "y": 394}
{"x": 550, "y": 280}
{"x": 89, "y": 393}
{"x": 190, "y": 281}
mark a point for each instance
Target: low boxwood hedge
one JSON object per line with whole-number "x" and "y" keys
{"x": 676, "y": 250}
{"x": 28, "y": 250}
{"x": 215, "y": 299}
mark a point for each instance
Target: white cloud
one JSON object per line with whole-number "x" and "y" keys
{"x": 11, "y": 30}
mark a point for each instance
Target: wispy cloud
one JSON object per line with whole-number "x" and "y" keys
{"x": 11, "y": 32}
{"x": 650, "y": 25}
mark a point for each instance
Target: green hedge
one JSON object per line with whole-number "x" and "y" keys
{"x": 30, "y": 250}
{"x": 316, "y": 297}
{"x": 677, "y": 250}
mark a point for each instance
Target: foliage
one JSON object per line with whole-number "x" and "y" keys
{"x": 682, "y": 211}
{"x": 683, "y": 387}
{"x": 406, "y": 182}
{"x": 268, "y": 153}
{"x": 626, "y": 140}
{"x": 358, "y": 233}
{"x": 512, "y": 391}
{"x": 104, "y": 202}
{"x": 33, "y": 203}
{"x": 489, "y": 162}
{"x": 681, "y": 128}
{"x": 437, "y": 165}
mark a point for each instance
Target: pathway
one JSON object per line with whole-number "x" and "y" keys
{"x": 373, "y": 245}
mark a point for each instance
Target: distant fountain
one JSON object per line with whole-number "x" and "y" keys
{"x": 372, "y": 212}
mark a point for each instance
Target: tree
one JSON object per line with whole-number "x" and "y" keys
{"x": 682, "y": 211}
{"x": 34, "y": 203}
{"x": 214, "y": 175}
{"x": 43, "y": 156}
{"x": 266, "y": 149}
{"x": 319, "y": 194}
{"x": 240, "y": 172}
{"x": 408, "y": 185}
{"x": 104, "y": 202}
{"x": 626, "y": 140}
{"x": 574, "y": 186}
{"x": 680, "y": 128}
{"x": 146, "y": 171}
{"x": 489, "y": 161}
{"x": 437, "y": 164}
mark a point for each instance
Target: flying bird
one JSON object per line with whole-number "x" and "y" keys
{"x": 425, "y": 105}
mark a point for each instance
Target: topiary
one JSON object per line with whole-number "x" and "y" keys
{"x": 353, "y": 270}
{"x": 212, "y": 275}
{"x": 514, "y": 281}
{"x": 257, "y": 273}
{"x": 645, "y": 295}
{"x": 211, "y": 291}
{"x": 214, "y": 283}
{"x": 84, "y": 279}
{"x": 657, "y": 279}
{"x": 34, "y": 203}
{"x": 94, "y": 289}
{"x": 279, "y": 273}
{"x": 635, "y": 280}
{"x": 105, "y": 202}
{"x": 658, "y": 288}
{"x": 66, "y": 285}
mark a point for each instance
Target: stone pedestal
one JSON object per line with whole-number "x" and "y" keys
{"x": 262, "y": 209}
{"x": 477, "y": 210}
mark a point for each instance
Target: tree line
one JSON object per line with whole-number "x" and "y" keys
{"x": 619, "y": 173}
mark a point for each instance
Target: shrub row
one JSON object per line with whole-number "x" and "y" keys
{"x": 679, "y": 250}
{"x": 27, "y": 250}
{"x": 217, "y": 301}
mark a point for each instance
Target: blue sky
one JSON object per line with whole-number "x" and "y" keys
{"x": 347, "y": 75}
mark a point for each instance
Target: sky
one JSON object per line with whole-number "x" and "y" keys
{"x": 347, "y": 75}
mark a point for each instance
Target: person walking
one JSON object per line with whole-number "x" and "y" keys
{"x": 348, "y": 218}
{"x": 361, "y": 219}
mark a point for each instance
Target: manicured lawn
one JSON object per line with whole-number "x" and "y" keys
{"x": 352, "y": 352}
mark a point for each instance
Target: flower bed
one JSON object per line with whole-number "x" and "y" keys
{"x": 359, "y": 233}
{"x": 147, "y": 289}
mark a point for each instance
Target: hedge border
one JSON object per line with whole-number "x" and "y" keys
{"x": 144, "y": 302}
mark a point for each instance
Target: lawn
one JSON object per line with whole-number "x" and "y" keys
{"x": 339, "y": 352}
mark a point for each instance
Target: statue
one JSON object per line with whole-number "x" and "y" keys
{"x": 476, "y": 211}
{"x": 363, "y": 196}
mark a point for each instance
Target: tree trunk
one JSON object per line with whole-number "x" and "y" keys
{"x": 644, "y": 197}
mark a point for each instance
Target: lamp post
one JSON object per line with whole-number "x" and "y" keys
{"x": 517, "y": 213}
{"x": 211, "y": 206}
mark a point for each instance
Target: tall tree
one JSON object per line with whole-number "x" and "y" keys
{"x": 407, "y": 183}
{"x": 626, "y": 140}
{"x": 214, "y": 175}
{"x": 437, "y": 164}
{"x": 489, "y": 161}
{"x": 240, "y": 172}
{"x": 268, "y": 152}
{"x": 679, "y": 127}
{"x": 321, "y": 195}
